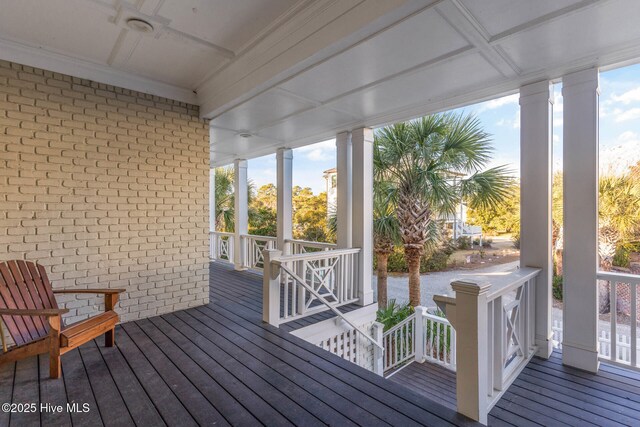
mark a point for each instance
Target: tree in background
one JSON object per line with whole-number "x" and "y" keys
{"x": 263, "y": 211}
{"x": 417, "y": 159}
{"x": 224, "y": 199}
{"x": 309, "y": 215}
{"x": 503, "y": 218}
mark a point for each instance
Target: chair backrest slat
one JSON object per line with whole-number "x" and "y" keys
{"x": 19, "y": 288}
{"x": 16, "y": 326}
{"x": 39, "y": 275}
{"x": 28, "y": 298}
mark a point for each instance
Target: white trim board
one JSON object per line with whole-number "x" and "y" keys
{"x": 60, "y": 63}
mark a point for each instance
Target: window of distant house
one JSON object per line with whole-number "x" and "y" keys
{"x": 334, "y": 181}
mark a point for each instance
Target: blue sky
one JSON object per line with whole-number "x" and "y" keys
{"x": 619, "y": 133}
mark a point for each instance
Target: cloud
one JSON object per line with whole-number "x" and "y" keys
{"x": 499, "y": 102}
{"x": 624, "y": 152}
{"x": 626, "y": 115}
{"x": 320, "y": 152}
{"x": 512, "y": 123}
{"x": 627, "y": 97}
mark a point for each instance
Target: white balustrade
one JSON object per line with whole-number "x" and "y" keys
{"x": 347, "y": 342}
{"x": 421, "y": 337}
{"x": 327, "y": 275}
{"x": 221, "y": 246}
{"x": 297, "y": 247}
{"x": 494, "y": 318}
{"x": 623, "y": 319}
{"x": 253, "y": 247}
{"x": 400, "y": 343}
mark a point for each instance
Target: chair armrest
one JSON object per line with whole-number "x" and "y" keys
{"x": 88, "y": 291}
{"x": 48, "y": 312}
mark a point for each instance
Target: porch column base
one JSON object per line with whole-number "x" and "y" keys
{"x": 545, "y": 347}
{"x": 580, "y": 358}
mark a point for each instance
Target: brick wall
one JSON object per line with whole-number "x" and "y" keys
{"x": 106, "y": 187}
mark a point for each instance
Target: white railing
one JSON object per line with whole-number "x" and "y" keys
{"x": 494, "y": 318}
{"x": 298, "y": 284}
{"x": 557, "y": 336}
{"x": 297, "y": 247}
{"x": 439, "y": 341}
{"x": 623, "y": 322}
{"x": 221, "y": 246}
{"x": 346, "y": 342}
{"x": 253, "y": 247}
{"x": 400, "y": 343}
{"x": 421, "y": 337}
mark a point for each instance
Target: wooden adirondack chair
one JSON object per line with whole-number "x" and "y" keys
{"x": 29, "y": 310}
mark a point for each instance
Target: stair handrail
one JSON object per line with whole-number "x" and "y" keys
{"x": 320, "y": 298}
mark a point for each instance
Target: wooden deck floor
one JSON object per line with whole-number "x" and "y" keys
{"x": 546, "y": 393}
{"x": 212, "y": 365}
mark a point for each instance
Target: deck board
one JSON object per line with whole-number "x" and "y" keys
{"x": 545, "y": 393}
{"x": 217, "y": 364}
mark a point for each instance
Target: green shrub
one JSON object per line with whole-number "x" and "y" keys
{"x": 621, "y": 258}
{"x": 435, "y": 261}
{"x": 464, "y": 243}
{"x": 393, "y": 314}
{"x": 557, "y": 287}
{"x": 516, "y": 240}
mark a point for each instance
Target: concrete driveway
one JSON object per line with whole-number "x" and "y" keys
{"x": 437, "y": 283}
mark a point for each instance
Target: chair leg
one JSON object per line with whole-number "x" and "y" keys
{"x": 54, "y": 366}
{"x": 54, "y": 347}
{"x": 110, "y": 338}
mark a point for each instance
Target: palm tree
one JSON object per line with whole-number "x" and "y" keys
{"x": 224, "y": 199}
{"x": 418, "y": 160}
{"x": 386, "y": 233}
{"x": 618, "y": 221}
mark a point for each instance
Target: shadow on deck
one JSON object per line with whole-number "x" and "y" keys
{"x": 212, "y": 365}
{"x": 545, "y": 393}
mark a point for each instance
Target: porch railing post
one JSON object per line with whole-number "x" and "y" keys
{"x": 378, "y": 353}
{"x": 420, "y": 333}
{"x": 472, "y": 348}
{"x": 271, "y": 288}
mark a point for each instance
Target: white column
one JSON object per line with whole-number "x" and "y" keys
{"x": 344, "y": 213}
{"x": 580, "y": 258}
{"x": 241, "y": 211}
{"x": 536, "y": 159}
{"x": 362, "y": 196}
{"x": 284, "y": 160}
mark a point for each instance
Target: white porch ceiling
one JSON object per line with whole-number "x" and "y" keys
{"x": 293, "y": 72}
{"x": 439, "y": 55}
{"x": 192, "y": 39}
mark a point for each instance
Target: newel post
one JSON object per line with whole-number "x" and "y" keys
{"x": 271, "y": 288}
{"x": 472, "y": 349}
{"x": 420, "y": 334}
{"x": 378, "y": 353}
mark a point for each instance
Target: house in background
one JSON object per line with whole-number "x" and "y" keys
{"x": 112, "y": 114}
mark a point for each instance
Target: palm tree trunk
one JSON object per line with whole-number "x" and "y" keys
{"x": 382, "y": 261}
{"x": 412, "y": 255}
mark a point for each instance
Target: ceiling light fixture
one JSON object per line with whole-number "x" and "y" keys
{"x": 245, "y": 135}
{"x": 139, "y": 25}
